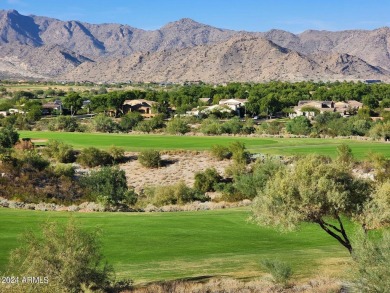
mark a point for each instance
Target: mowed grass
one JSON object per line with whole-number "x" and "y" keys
{"x": 277, "y": 146}
{"x": 161, "y": 246}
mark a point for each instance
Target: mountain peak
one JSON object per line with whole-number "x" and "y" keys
{"x": 185, "y": 23}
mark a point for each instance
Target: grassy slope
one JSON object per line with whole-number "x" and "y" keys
{"x": 282, "y": 146}
{"x": 159, "y": 246}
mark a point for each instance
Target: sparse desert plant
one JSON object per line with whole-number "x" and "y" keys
{"x": 372, "y": 258}
{"x": 280, "y": 271}
{"x": 150, "y": 158}
{"x": 66, "y": 255}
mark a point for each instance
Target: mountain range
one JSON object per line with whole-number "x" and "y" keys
{"x": 37, "y": 47}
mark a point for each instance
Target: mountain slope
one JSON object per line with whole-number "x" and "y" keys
{"x": 242, "y": 58}
{"x": 47, "y": 48}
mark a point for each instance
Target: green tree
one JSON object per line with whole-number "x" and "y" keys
{"x": 299, "y": 125}
{"x": 109, "y": 186}
{"x": 73, "y": 101}
{"x": 315, "y": 190}
{"x": 67, "y": 255}
{"x": 8, "y": 137}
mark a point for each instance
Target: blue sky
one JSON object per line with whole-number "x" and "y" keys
{"x": 250, "y": 15}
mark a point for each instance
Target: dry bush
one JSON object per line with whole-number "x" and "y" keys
{"x": 229, "y": 285}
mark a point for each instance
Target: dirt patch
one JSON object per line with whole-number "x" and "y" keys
{"x": 179, "y": 166}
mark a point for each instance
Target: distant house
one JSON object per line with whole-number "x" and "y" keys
{"x": 312, "y": 108}
{"x": 50, "y": 107}
{"x": 237, "y": 105}
{"x": 142, "y": 106}
{"x": 206, "y": 101}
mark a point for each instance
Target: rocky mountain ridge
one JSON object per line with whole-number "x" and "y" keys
{"x": 36, "y": 47}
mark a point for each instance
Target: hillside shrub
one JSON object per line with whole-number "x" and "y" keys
{"x": 117, "y": 154}
{"x": 66, "y": 170}
{"x": 239, "y": 153}
{"x": 206, "y": 181}
{"x": 8, "y": 137}
{"x": 150, "y": 158}
{"x": 220, "y": 152}
{"x": 60, "y": 151}
{"x": 92, "y": 157}
{"x": 178, "y": 193}
{"x": 109, "y": 186}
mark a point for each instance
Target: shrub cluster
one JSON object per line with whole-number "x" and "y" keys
{"x": 178, "y": 193}
{"x": 150, "y": 158}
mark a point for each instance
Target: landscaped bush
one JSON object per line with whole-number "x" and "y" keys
{"x": 92, "y": 157}
{"x": 150, "y": 158}
{"x": 154, "y": 123}
{"x": 211, "y": 126}
{"x": 178, "y": 193}
{"x": 273, "y": 128}
{"x": 232, "y": 126}
{"x": 220, "y": 152}
{"x": 299, "y": 125}
{"x": 206, "y": 181}
{"x": 177, "y": 126}
{"x": 130, "y": 121}
{"x": 102, "y": 123}
{"x": 64, "y": 123}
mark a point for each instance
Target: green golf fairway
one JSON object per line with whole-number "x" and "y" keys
{"x": 160, "y": 246}
{"x": 277, "y": 146}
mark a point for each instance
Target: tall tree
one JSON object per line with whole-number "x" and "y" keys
{"x": 314, "y": 190}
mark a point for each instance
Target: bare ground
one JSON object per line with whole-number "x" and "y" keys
{"x": 177, "y": 166}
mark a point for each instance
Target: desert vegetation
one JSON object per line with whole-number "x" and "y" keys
{"x": 330, "y": 196}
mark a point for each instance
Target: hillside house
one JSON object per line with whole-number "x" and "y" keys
{"x": 142, "y": 106}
